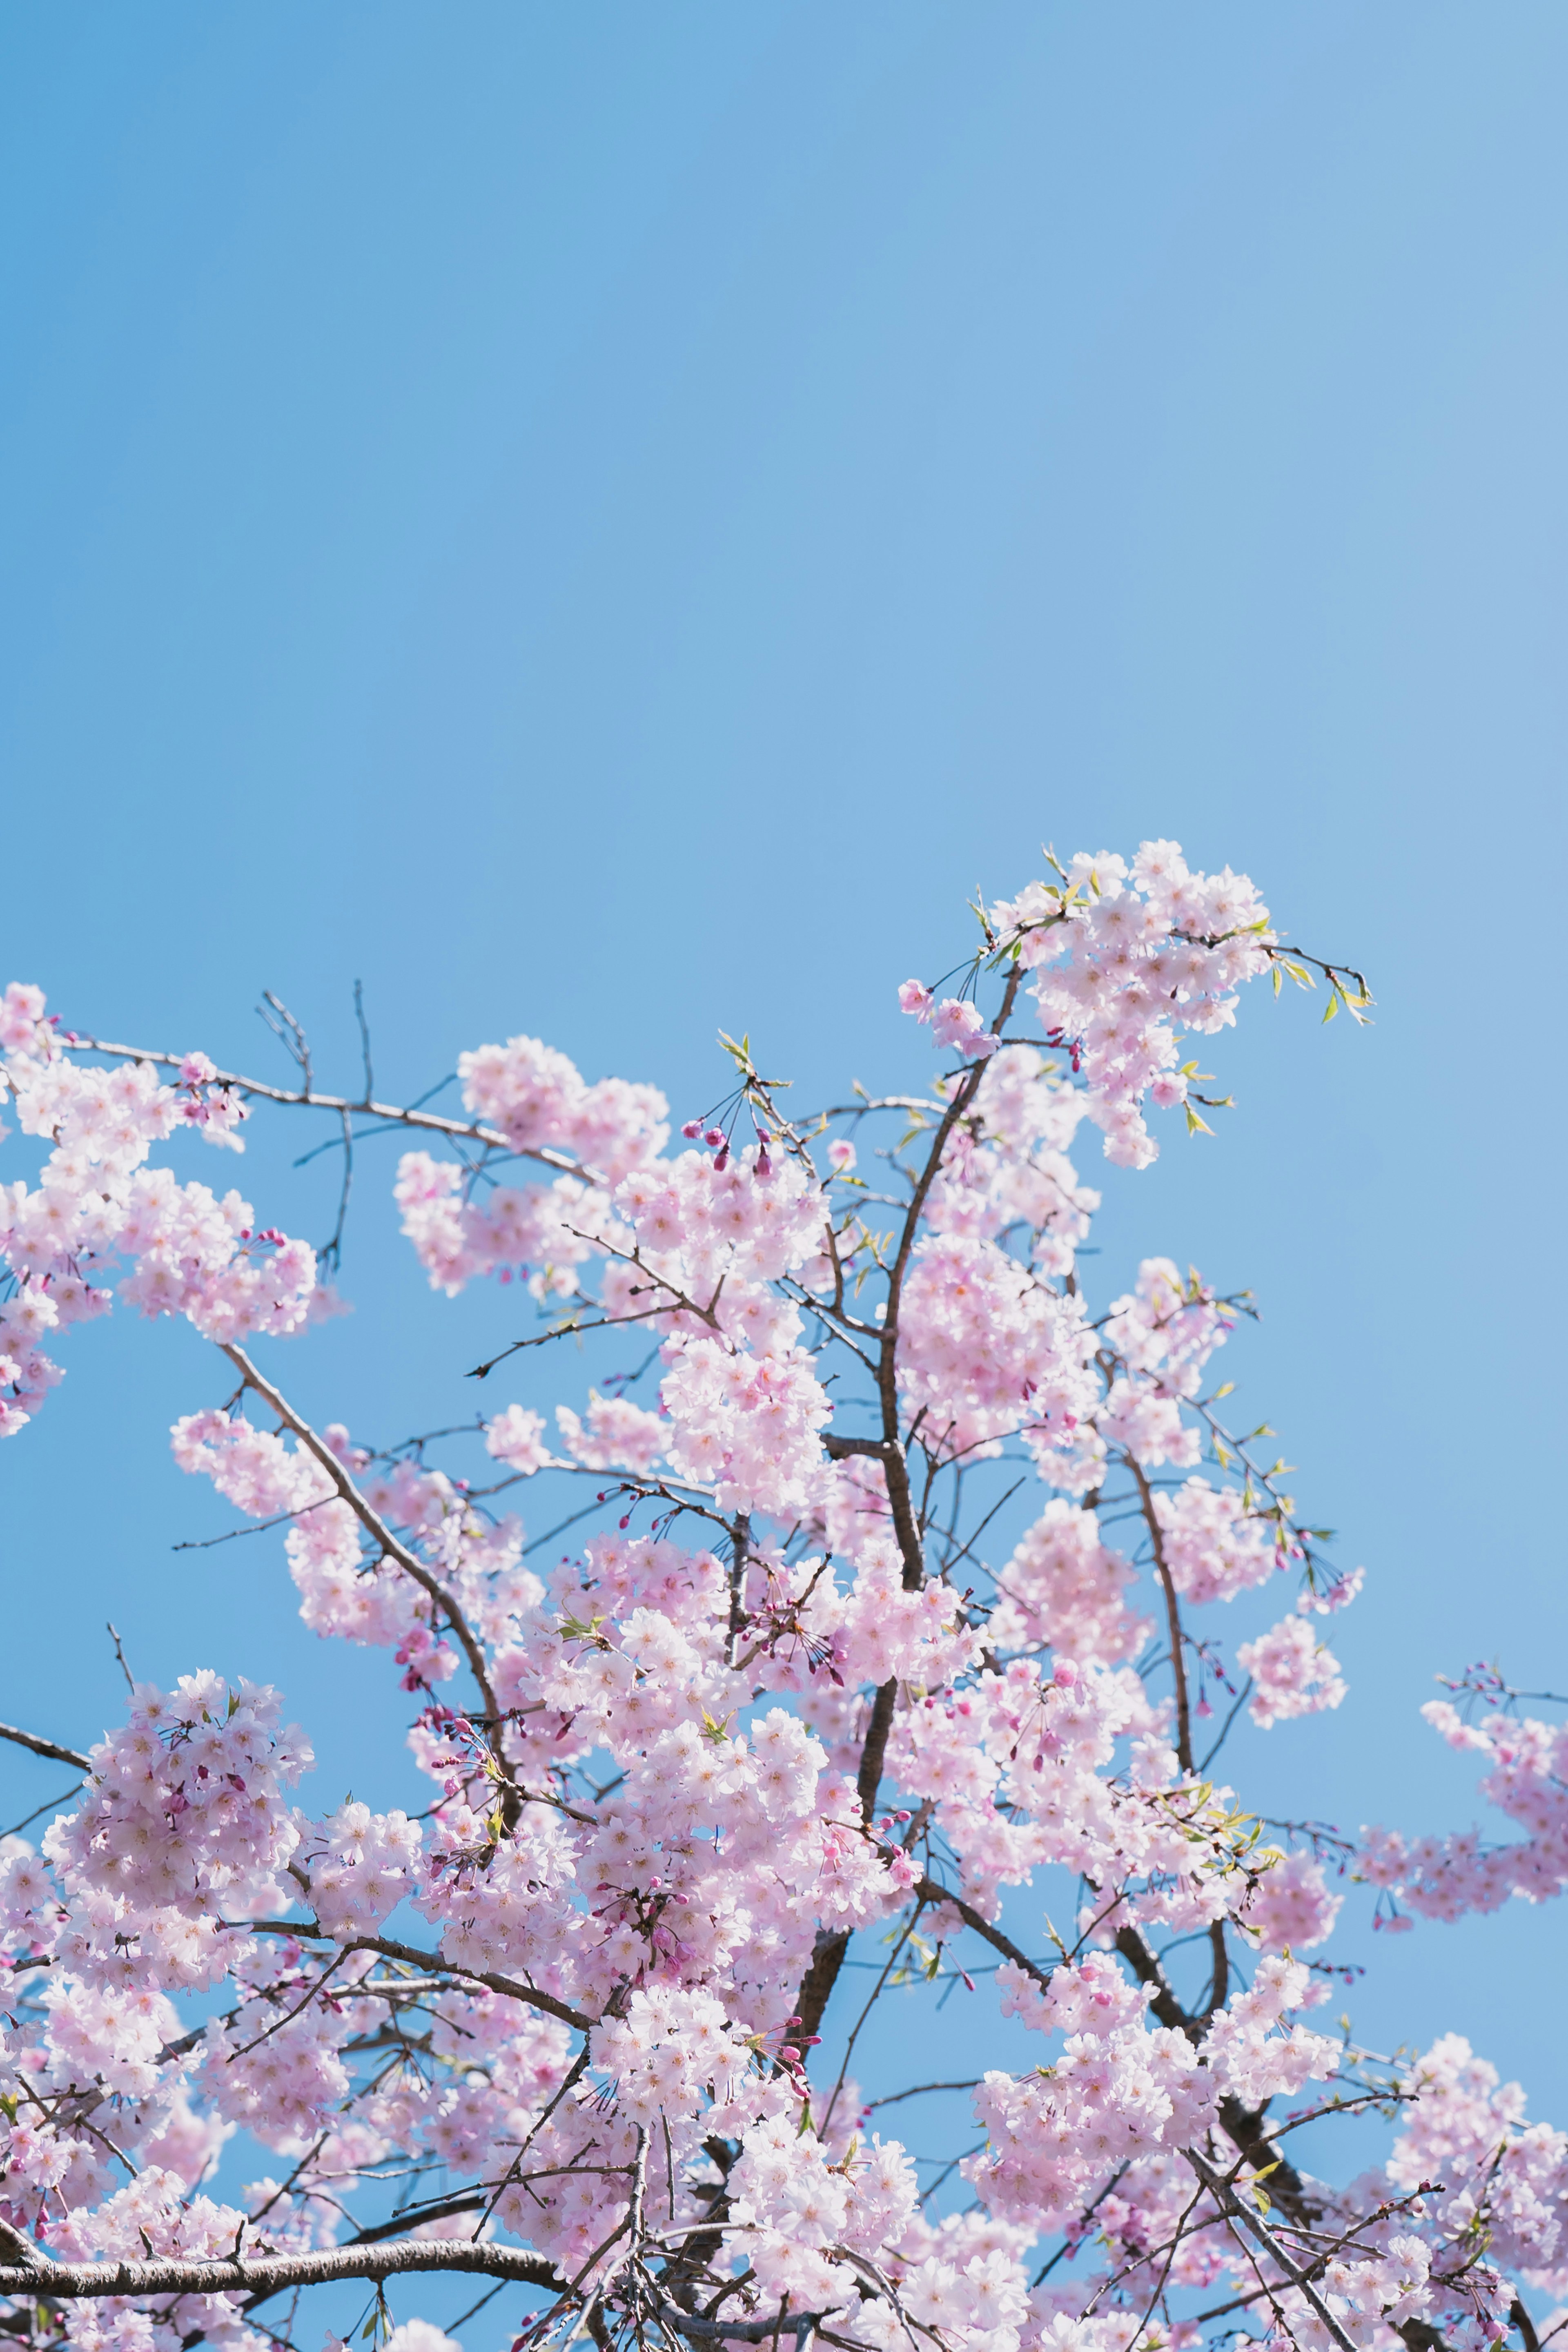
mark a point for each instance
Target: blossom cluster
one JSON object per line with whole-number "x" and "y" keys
{"x": 801, "y": 1679}
{"x": 1125, "y": 958}
{"x": 1443, "y": 1877}
{"x": 96, "y": 1201}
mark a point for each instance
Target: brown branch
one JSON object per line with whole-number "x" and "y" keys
{"x": 918, "y": 2090}
{"x": 873, "y": 1755}
{"x": 817, "y": 1984}
{"x": 306, "y": 1097}
{"x": 828, "y": 1959}
{"x": 417, "y": 1959}
{"x": 1173, "y": 1611}
{"x": 1243, "y": 2125}
{"x": 1225, "y": 2196}
{"x": 893, "y": 1466}
{"x": 20, "y": 2247}
{"x": 371, "y": 1522}
{"x": 840, "y": 1448}
{"x": 1525, "y": 2325}
{"x": 930, "y": 1891}
{"x": 50, "y": 1747}
{"x": 271, "y": 2273}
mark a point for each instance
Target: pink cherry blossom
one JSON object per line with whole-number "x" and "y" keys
{"x": 874, "y": 1601}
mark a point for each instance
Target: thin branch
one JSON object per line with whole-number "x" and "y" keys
{"x": 929, "y": 1891}
{"x": 431, "y": 1961}
{"x": 1225, "y": 2196}
{"x": 1237, "y": 1704}
{"x": 1173, "y": 1611}
{"x": 460, "y": 1129}
{"x": 917, "y": 2090}
{"x": 365, "y": 1037}
{"x": 27, "y": 1823}
{"x": 369, "y": 1518}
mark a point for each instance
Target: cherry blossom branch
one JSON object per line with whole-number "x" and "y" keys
{"x": 50, "y": 1747}
{"x": 21, "y": 2248}
{"x": 918, "y": 2090}
{"x": 535, "y": 2124}
{"x": 306, "y": 1097}
{"x": 432, "y": 1961}
{"x": 882, "y": 1102}
{"x": 817, "y": 1987}
{"x": 1225, "y": 2196}
{"x": 893, "y": 1468}
{"x": 1351, "y": 2238}
{"x": 930, "y": 1891}
{"x": 801, "y": 2325}
{"x": 1290, "y": 959}
{"x": 1242, "y": 2124}
{"x": 273, "y": 2274}
{"x": 567, "y": 1331}
{"x": 370, "y": 1519}
{"x": 873, "y": 1754}
{"x": 1173, "y": 1611}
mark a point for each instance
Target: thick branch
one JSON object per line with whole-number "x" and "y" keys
{"x": 1148, "y": 1972}
{"x": 873, "y": 1755}
{"x": 802, "y": 2324}
{"x": 840, "y": 1448}
{"x": 271, "y": 2273}
{"x": 817, "y": 1985}
{"x": 50, "y": 1747}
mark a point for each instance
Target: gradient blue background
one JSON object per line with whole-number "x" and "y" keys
{"x": 610, "y": 521}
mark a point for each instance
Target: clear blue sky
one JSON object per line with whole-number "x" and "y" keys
{"x": 610, "y": 520}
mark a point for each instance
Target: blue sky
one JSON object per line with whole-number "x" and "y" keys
{"x": 612, "y": 521}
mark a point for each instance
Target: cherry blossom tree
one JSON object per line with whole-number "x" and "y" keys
{"x": 789, "y": 1728}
